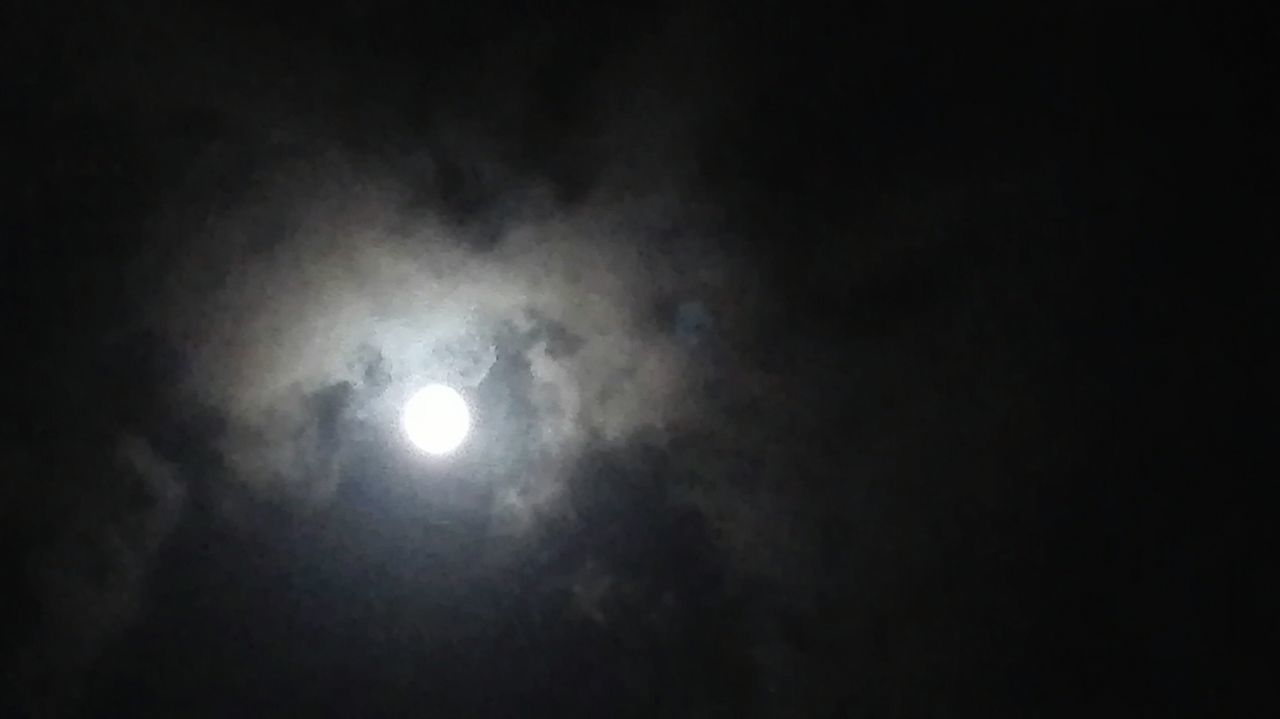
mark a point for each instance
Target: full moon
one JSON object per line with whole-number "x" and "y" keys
{"x": 436, "y": 419}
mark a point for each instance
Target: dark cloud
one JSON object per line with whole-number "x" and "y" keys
{"x": 89, "y": 582}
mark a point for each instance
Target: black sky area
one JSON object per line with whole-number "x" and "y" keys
{"x": 967, "y": 421}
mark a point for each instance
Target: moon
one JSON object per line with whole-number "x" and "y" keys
{"x": 436, "y": 419}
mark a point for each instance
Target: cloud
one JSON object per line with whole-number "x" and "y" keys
{"x": 328, "y": 271}
{"x": 89, "y": 577}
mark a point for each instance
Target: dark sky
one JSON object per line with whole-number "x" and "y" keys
{"x": 865, "y": 362}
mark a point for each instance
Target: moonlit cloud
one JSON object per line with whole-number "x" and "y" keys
{"x": 328, "y": 267}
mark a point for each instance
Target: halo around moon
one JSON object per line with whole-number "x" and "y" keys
{"x": 436, "y": 419}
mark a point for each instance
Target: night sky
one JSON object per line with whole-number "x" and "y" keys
{"x": 882, "y": 361}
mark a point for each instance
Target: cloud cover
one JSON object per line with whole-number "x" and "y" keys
{"x": 327, "y": 273}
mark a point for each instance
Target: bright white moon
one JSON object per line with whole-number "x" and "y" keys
{"x": 436, "y": 419}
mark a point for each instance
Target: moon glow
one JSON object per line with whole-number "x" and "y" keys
{"x": 436, "y": 419}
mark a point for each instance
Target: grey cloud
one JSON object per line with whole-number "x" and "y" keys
{"x": 90, "y": 579}
{"x": 352, "y": 270}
